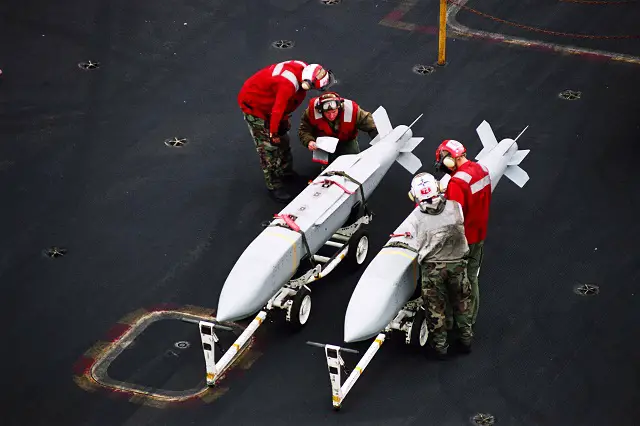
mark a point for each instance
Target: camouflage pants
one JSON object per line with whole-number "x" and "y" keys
{"x": 474, "y": 258}
{"x": 446, "y": 286}
{"x": 275, "y": 159}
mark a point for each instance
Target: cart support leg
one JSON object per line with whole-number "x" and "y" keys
{"x": 362, "y": 364}
{"x": 209, "y": 339}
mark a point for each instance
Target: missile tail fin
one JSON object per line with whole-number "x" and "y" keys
{"x": 487, "y": 137}
{"x": 517, "y": 175}
{"x": 518, "y": 157}
{"x": 383, "y": 124}
{"x": 409, "y": 161}
{"x": 411, "y": 144}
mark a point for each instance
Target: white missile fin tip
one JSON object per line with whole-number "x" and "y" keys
{"x": 486, "y": 135}
{"x": 411, "y": 144}
{"x": 518, "y": 157}
{"x": 517, "y": 175}
{"x": 382, "y": 122}
{"x": 409, "y": 161}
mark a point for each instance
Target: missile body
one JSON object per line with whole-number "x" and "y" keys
{"x": 392, "y": 276}
{"x": 322, "y": 208}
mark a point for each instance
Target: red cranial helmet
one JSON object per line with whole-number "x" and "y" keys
{"x": 329, "y": 101}
{"x": 447, "y": 152}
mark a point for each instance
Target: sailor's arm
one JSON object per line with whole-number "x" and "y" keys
{"x": 455, "y": 193}
{"x": 365, "y": 123}
{"x": 283, "y": 94}
{"x": 306, "y": 132}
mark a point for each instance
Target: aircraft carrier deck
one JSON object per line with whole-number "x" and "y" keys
{"x": 103, "y": 220}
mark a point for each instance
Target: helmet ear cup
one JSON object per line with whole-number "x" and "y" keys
{"x": 449, "y": 162}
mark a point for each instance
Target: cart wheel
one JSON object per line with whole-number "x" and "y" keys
{"x": 358, "y": 249}
{"x": 300, "y": 308}
{"x": 419, "y": 329}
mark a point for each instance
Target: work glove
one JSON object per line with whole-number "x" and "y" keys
{"x": 275, "y": 138}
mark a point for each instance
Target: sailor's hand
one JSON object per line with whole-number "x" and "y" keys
{"x": 312, "y": 146}
{"x": 274, "y": 138}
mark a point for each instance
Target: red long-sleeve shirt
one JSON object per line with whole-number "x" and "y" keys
{"x": 273, "y": 93}
{"x": 471, "y": 187}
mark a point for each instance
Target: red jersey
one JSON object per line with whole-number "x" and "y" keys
{"x": 348, "y": 114}
{"x": 273, "y": 93}
{"x": 470, "y": 186}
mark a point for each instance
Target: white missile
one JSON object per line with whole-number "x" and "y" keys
{"x": 310, "y": 220}
{"x": 392, "y": 276}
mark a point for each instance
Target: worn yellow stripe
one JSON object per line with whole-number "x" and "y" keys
{"x": 291, "y": 241}
{"x": 237, "y": 346}
{"x": 359, "y": 369}
{"x": 415, "y": 269}
{"x": 259, "y": 320}
{"x": 378, "y": 341}
{"x": 401, "y": 253}
{"x": 335, "y": 398}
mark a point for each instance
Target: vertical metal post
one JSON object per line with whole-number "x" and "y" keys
{"x": 334, "y": 362}
{"x": 442, "y": 34}
{"x": 208, "y": 338}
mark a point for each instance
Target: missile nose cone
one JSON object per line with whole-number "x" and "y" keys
{"x": 350, "y": 336}
{"x": 225, "y": 312}
{"x": 358, "y": 324}
{"x": 265, "y": 266}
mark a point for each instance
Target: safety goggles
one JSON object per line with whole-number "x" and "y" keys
{"x": 329, "y": 105}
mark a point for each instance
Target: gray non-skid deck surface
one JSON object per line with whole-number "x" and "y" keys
{"x": 83, "y": 165}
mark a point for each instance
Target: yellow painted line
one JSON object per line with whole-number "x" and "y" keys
{"x": 291, "y": 241}
{"x": 401, "y": 253}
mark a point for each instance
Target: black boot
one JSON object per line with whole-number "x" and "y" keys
{"x": 463, "y": 347}
{"x": 290, "y": 175}
{"x": 280, "y": 195}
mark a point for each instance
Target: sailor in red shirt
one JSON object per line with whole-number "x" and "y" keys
{"x": 470, "y": 185}
{"x": 332, "y": 115}
{"x": 267, "y": 100}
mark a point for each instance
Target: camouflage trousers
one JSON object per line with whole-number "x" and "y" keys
{"x": 275, "y": 159}
{"x": 474, "y": 259}
{"x": 445, "y": 287}
{"x": 474, "y": 262}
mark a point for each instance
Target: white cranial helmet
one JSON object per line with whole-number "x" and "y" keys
{"x": 315, "y": 76}
{"x": 425, "y": 192}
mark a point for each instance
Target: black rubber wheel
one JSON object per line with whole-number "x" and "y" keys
{"x": 419, "y": 330}
{"x": 358, "y": 249}
{"x": 300, "y": 309}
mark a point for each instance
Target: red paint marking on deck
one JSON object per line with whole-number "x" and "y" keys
{"x": 394, "y": 20}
